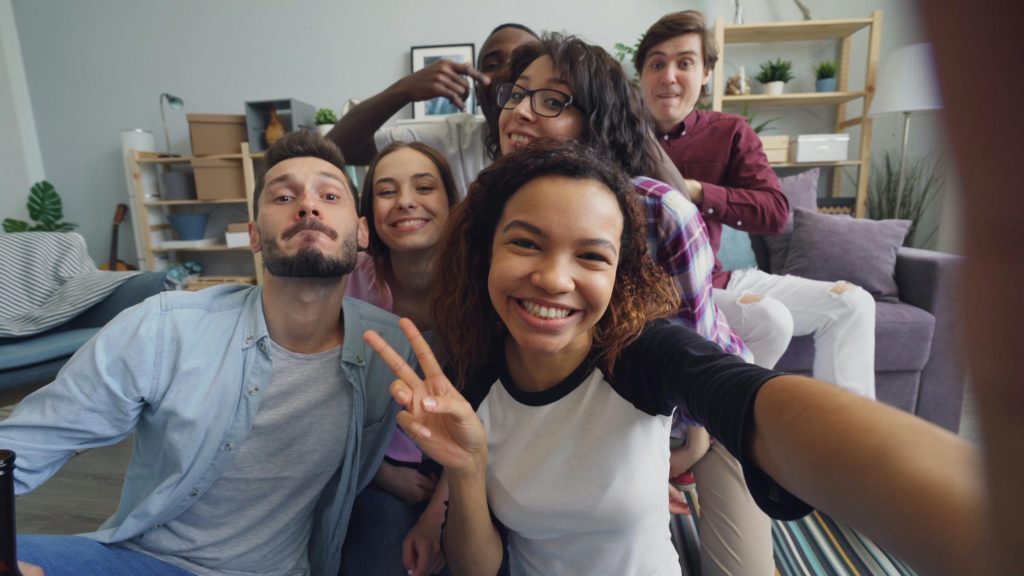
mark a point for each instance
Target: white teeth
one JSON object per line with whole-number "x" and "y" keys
{"x": 544, "y": 311}
{"x": 515, "y": 138}
{"x": 408, "y": 224}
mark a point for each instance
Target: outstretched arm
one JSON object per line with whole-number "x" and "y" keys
{"x": 445, "y": 426}
{"x": 909, "y": 485}
{"x": 354, "y": 132}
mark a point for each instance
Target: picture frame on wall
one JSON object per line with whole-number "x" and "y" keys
{"x": 423, "y": 56}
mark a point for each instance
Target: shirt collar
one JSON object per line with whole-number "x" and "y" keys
{"x": 680, "y": 130}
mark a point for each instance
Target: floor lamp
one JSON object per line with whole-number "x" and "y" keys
{"x": 906, "y": 84}
{"x": 173, "y": 102}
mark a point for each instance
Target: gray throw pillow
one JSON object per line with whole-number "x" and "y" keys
{"x": 860, "y": 251}
{"x": 802, "y": 192}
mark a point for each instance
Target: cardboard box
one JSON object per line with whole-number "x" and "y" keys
{"x": 238, "y": 227}
{"x": 820, "y": 148}
{"x": 216, "y": 133}
{"x": 776, "y": 148}
{"x": 294, "y": 114}
{"x": 218, "y": 179}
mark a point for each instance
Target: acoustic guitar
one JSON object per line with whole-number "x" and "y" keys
{"x": 115, "y": 263}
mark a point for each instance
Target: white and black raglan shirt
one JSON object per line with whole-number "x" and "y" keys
{"x": 576, "y": 474}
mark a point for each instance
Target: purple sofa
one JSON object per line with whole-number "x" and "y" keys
{"x": 918, "y": 363}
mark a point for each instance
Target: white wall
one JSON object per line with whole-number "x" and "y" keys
{"x": 94, "y": 68}
{"x": 21, "y": 162}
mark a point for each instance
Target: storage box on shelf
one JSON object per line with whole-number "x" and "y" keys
{"x": 216, "y": 133}
{"x": 776, "y": 148}
{"x": 236, "y": 174}
{"x": 839, "y": 31}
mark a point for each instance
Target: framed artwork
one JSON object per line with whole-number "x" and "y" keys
{"x": 423, "y": 56}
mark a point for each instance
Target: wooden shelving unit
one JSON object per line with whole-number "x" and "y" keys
{"x": 149, "y": 208}
{"x": 839, "y": 31}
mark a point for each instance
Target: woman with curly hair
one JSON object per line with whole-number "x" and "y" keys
{"x": 555, "y": 441}
{"x": 564, "y": 88}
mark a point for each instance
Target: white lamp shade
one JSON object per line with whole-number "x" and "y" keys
{"x": 907, "y": 82}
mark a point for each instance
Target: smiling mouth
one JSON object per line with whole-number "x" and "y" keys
{"x": 544, "y": 312}
{"x": 403, "y": 225}
{"x": 518, "y": 139}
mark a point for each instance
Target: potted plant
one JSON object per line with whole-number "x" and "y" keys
{"x": 46, "y": 208}
{"x": 325, "y": 119}
{"x": 774, "y": 74}
{"x": 825, "y": 74}
{"x": 911, "y": 194}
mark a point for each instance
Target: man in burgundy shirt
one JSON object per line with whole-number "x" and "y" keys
{"x": 728, "y": 176}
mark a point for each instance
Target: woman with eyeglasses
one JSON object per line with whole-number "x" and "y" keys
{"x": 566, "y": 89}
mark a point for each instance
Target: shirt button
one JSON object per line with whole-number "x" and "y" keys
{"x": 739, "y": 223}
{"x": 248, "y": 339}
{"x": 195, "y": 491}
{"x": 263, "y": 345}
{"x": 253, "y": 391}
{"x": 229, "y": 447}
{"x": 359, "y": 358}
{"x": 711, "y": 210}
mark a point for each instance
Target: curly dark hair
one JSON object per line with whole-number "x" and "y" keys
{"x": 617, "y": 121}
{"x": 469, "y": 329}
{"x": 376, "y": 248}
{"x": 300, "y": 144}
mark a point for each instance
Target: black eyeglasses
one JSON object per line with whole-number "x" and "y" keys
{"x": 546, "y": 102}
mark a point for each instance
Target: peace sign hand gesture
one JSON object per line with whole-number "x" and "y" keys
{"x": 435, "y": 415}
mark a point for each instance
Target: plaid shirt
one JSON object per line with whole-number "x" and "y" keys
{"x": 678, "y": 242}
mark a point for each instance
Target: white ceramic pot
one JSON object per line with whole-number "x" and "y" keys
{"x": 772, "y": 88}
{"x": 323, "y": 129}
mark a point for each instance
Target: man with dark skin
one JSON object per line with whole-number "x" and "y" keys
{"x": 354, "y": 132}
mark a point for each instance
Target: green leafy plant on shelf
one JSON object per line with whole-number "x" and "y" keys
{"x": 923, "y": 183}
{"x": 777, "y": 70}
{"x": 45, "y": 208}
{"x": 826, "y": 69}
{"x": 325, "y": 116}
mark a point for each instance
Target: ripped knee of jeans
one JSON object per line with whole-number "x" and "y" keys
{"x": 748, "y": 298}
{"x": 841, "y": 287}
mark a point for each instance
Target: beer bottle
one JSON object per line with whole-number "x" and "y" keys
{"x": 8, "y": 551}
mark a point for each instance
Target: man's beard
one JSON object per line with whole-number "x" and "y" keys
{"x": 307, "y": 262}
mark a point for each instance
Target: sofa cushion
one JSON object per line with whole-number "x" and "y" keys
{"x": 801, "y": 190}
{"x": 735, "y": 251}
{"x": 860, "y": 251}
{"x": 903, "y": 340}
{"x": 19, "y": 352}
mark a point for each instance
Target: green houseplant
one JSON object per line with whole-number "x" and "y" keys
{"x": 45, "y": 208}
{"x": 916, "y": 193}
{"x": 774, "y": 74}
{"x": 825, "y": 76}
{"x": 325, "y": 119}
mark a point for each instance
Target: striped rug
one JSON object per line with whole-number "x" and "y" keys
{"x": 815, "y": 545}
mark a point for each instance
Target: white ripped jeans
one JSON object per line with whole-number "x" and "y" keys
{"x": 842, "y": 322}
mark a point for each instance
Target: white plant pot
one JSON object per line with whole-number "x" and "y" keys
{"x": 772, "y": 88}
{"x": 323, "y": 129}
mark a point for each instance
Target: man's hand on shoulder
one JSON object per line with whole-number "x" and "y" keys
{"x": 442, "y": 78}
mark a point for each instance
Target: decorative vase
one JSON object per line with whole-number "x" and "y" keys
{"x": 772, "y": 88}
{"x": 275, "y": 128}
{"x": 825, "y": 85}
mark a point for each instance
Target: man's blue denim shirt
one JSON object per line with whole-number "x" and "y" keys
{"x": 187, "y": 372}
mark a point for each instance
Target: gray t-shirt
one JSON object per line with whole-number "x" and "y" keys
{"x": 257, "y": 517}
